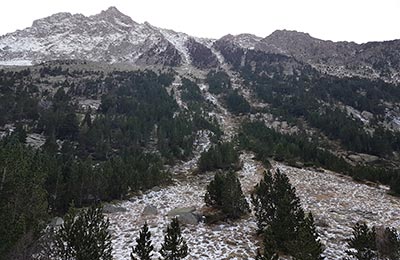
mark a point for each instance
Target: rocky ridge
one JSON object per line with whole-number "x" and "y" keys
{"x": 113, "y": 37}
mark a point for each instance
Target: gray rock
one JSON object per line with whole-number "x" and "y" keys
{"x": 367, "y": 115}
{"x": 362, "y": 157}
{"x": 216, "y": 228}
{"x": 156, "y": 189}
{"x": 187, "y": 215}
{"x": 108, "y": 208}
{"x": 188, "y": 219}
{"x": 180, "y": 211}
{"x": 149, "y": 210}
{"x": 56, "y": 222}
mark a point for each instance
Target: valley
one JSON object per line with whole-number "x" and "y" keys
{"x": 104, "y": 110}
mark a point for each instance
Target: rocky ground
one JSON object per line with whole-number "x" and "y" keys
{"x": 337, "y": 203}
{"x": 233, "y": 240}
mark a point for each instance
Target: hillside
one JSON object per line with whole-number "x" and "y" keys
{"x": 140, "y": 118}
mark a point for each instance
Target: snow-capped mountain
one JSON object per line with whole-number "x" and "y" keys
{"x": 109, "y": 36}
{"x": 113, "y": 37}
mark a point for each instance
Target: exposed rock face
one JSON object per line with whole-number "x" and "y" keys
{"x": 106, "y": 37}
{"x": 202, "y": 57}
{"x": 370, "y": 60}
{"x": 114, "y": 37}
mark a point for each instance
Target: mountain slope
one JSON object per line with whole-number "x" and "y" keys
{"x": 107, "y": 37}
{"x": 370, "y": 60}
{"x": 113, "y": 37}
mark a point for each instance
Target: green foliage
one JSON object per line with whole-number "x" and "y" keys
{"x": 190, "y": 91}
{"x": 263, "y": 202}
{"x": 23, "y": 198}
{"x": 143, "y": 249}
{"x": 303, "y": 95}
{"x": 218, "y": 81}
{"x": 220, "y": 156}
{"x": 236, "y": 103}
{"x": 84, "y": 236}
{"x": 174, "y": 246}
{"x": 388, "y": 244}
{"x": 175, "y": 137}
{"x": 288, "y": 213}
{"x": 281, "y": 220}
{"x": 82, "y": 182}
{"x": 224, "y": 192}
{"x": 267, "y": 143}
{"x": 395, "y": 183}
{"x": 336, "y": 124}
{"x": 18, "y": 102}
{"x": 307, "y": 245}
{"x": 363, "y": 243}
{"x": 373, "y": 244}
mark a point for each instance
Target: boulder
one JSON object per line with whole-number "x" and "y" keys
{"x": 188, "y": 219}
{"x": 56, "y": 222}
{"x": 367, "y": 115}
{"x": 180, "y": 211}
{"x": 149, "y": 210}
{"x": 369, "y": 158}
{"x": 186, "y": 216}
{"x": 363, "y": 158}
{"x": 108, "y": 208}
{"x": 156, "y": 189}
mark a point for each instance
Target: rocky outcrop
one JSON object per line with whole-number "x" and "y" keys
{"x": 110, "y": 37}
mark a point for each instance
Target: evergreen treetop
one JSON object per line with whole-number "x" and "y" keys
{"x": 174, "y": 246}
{"x": 143, "y": 249}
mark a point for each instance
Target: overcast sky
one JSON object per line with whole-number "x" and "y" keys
{"x": 350, "y": 20}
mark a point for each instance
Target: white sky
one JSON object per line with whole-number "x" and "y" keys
{"x": 350, "y": 20}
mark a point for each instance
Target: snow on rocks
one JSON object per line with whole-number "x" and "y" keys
{"x": 225, "y": 119}
{"x": 232, "y": 240}
{"x": 337, "y": 203}
{"x": 202, "y": 143}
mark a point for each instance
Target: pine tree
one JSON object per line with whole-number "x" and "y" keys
{"x": 143, "y": 249}
{"x": 225, "y": 193}
{"x": 288, "y": 212}
{"x": 174, "y": 246}
{"x": 307, "y": 245}
{"x": 263, "y": 203}
{"x": 363, "y": 242}
{"x": 269, "y": 247}
{"x": 281, "y": 219}
{"x": 84, "y": 236}
{"x": 389, "y": 246}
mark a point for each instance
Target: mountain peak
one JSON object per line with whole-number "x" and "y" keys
{"x": 290, "y": 34}
{"x": 113, "y": 15}
{"x": 112, "y": 10}
{"x": 52, "y": 19}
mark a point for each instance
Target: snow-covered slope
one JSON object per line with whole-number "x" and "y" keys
{"x": 107, "y": 37}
